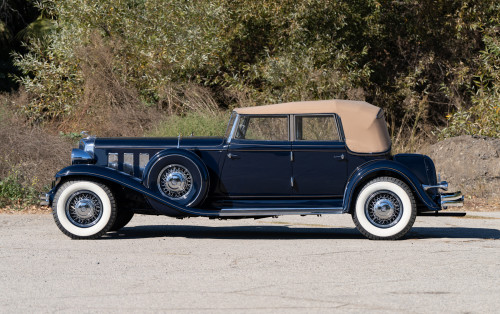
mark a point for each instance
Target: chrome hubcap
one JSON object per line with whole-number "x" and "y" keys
{"x": 84, "y": 209}
{"x": 175, "y": 181}
{"x": 383, "y": 209}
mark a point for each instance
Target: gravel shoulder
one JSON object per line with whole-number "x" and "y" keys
{"x": 289, "y": 264}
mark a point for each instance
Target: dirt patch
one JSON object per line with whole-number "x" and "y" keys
{"x": 33, "y": 209}
{"x": 470, "y": 164}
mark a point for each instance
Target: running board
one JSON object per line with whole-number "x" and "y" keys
{"x": 441, "y": 214}
{"x": 233, "y": 212}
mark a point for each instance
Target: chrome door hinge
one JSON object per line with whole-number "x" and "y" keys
{"x": 291, "y": 156}
{"x": 291, "y": 181}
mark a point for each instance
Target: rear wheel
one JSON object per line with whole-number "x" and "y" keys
{"x": 385, "y": 209}
{"x": 84, "y": 209}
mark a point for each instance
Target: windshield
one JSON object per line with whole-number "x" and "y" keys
{"x": 230, "y": 124}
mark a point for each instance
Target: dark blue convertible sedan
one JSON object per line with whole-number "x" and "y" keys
{"x": 301, "y": 158}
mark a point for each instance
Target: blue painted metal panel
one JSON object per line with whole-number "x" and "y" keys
{"x": 319, "y": 168}
{"x": 388, "y": 166}
{"x": 257, "y": 168}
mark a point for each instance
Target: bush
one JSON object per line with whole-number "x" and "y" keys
{"x": 415, "y": 59}
{"x": 13, "y": 192}
{"x": 483, "y": 117}
{"x": 29, "y": 156}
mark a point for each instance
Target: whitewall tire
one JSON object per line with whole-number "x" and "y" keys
{"x": 385, "y": 209}
{"x": 84, "y": 209}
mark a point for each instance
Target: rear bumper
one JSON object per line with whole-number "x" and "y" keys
{"x": 445, "y": 200}
{"x": 454, "y": 199}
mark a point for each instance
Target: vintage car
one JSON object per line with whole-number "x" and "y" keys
{"x": 300, "y": 158}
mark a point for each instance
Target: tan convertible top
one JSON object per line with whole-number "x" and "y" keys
{"x": 364, "y": 125}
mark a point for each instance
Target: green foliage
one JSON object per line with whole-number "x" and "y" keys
{"x": 13, "y": 192}
{"x": 416, "y": 59}
{"x": 196, "y": 123}
{"x": 483, "y": 118}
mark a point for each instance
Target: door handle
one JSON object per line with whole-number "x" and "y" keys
{"x": 341, "y": 157}
{"x": 232, "y": 156}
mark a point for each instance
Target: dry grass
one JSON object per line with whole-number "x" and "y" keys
{"x": 109, "y": 105}
{"x": 33, "y": 152}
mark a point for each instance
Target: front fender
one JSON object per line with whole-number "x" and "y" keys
{"x": 386, "y": 167}
{"x": 110, "y": 175}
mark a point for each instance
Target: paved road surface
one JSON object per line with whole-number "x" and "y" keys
{"x": 285, "y": 265}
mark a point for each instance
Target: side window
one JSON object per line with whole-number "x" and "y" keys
{"x": 316, "y": 128}
{"x": 262, "y": 128}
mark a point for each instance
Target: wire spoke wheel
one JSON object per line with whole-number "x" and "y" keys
{"x": 175, "y": 181}
{"x": 383, "y": 209}
{"x": 84, "y": 209}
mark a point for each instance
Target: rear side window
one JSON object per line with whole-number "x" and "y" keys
{"x": 262, "y": 128}
{"x": 316, "y": 128}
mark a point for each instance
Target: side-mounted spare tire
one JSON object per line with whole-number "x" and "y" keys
{"x": 180, "y": 177}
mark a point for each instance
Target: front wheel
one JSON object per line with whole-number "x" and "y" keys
{"x": 385, "y": 209}
{"x": 123, "y": 217}
{"x": 84, "y": 209}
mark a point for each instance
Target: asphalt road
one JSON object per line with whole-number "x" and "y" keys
{"x": 285, "y": 265}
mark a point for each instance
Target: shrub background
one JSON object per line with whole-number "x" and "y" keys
{"x": 155, "y": 67}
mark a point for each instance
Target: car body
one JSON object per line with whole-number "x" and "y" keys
{"x": 300, "y": 158}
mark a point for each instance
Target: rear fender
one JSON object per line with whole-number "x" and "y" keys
{"x": 385, "y": 168}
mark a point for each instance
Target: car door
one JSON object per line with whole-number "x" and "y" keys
{"x": 257, "y": 162}
{"x": 319, "y": 166}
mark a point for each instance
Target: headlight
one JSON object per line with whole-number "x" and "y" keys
{"x": 79, "y": 156}
{"x": 84, "y": 154}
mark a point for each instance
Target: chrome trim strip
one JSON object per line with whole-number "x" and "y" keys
{"x": 158, "y": 148}
{"x": 278, "y": 211}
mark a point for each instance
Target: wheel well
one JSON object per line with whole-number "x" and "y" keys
{"x": 382, "y": 173}
{"x": 126, "y": 198}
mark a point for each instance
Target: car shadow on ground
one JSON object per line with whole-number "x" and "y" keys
{"x": 289, "y": 233}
